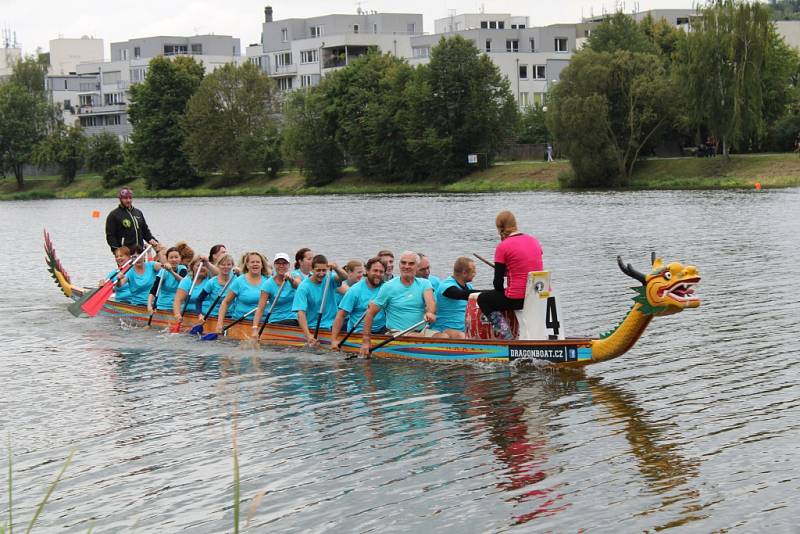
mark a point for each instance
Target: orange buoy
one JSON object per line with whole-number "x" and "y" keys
{"x": 95, "y": 214}
{"x": 758, "y": 186}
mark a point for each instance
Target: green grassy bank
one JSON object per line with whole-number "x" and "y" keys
{"x": 771, "y": 170}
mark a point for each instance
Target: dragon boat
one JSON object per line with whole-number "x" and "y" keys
{"x": 667, "y": 289}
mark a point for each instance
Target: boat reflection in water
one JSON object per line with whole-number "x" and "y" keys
{"x": 435, "y": 438}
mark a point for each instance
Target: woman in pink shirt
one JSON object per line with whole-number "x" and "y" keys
{"x": 515, "y": 256}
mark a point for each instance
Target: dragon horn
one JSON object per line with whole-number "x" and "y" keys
{"x": 652, "y": 257}
{"x": 630, "y": 271}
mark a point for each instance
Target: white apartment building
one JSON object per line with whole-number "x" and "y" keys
{"x": 66, "y": 54}
{"x": 298, "y": 52}
{"x": 102, "y": 97}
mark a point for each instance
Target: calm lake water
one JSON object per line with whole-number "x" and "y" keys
{"x": 696, "y": 429}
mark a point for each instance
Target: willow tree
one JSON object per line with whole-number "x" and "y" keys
{"x": 724, "y": 58}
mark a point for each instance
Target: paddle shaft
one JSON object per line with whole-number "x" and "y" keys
{"x": 400, "y": 334}
{"x": 352, "y": 329}
{"x": 274, "y": 301}
{"x": 155, "y": 299}
{"x": 177, "y": 327}
{"x": 484, "y": 260}
{"x": 239, "y": 320}
{"x": 322, "y": 304}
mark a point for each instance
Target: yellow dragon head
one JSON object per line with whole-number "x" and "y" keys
{"x": 667, "y": 289}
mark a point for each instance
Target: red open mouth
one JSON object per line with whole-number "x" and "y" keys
{"x": 681, "y": 290}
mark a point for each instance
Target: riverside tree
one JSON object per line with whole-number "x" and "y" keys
{"x": 469, "y": 108}
{"x": 157, "y": 107}
{"x": 23, "y": 120}
{"x": 229, "y": 123}
{"x": 309, "y": 137}
{"x": 66, "y": 147}
{"x": 724, "y": 60}
{"x": 104, "y": 151}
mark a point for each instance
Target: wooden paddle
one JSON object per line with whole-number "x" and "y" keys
{"x": 274, "y": 301}
{"x": 155, "y": 300}
{"x": 484, "y": 260}
{"x": 198, "y": 328}
{"x": 322, "y": 304}
{"x": 93, "y": 301}
{"x": 339, "y": 344}
{"x": 399, "y": 334}
{"x": 177, "y": 327}
{"x": 213, "y": 335}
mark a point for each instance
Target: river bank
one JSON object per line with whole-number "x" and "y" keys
{"x": 741, "y": 171}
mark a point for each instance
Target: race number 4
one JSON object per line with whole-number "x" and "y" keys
{"x": 551, "y": 318}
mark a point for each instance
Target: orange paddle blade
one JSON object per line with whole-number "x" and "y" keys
{"x": 176, "y": 328}
{"x": 93, "y": 305}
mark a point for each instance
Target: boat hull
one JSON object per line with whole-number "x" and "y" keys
{"x": 560, "y": 353}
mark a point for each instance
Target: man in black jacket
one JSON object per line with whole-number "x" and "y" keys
{"x": 125, "y": 226}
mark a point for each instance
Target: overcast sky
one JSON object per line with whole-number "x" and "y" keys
{"x": 38, "y": 21}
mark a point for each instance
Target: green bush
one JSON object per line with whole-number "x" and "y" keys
{"x": 115, "y": 175}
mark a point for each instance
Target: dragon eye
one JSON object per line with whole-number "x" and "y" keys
{"x": 667, "y": 275}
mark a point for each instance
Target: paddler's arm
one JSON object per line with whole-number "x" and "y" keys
{"x": 366, "y": 334}
{"x": 499, "y": 276}
{"x": 430, "y": 306}
{"x": 336, "y": 328}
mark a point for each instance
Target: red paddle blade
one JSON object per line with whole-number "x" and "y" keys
{"x": 176, "y": 328}
{"x": 93, "y": 305}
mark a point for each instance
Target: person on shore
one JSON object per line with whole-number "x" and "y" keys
{"x": 308, "y": 299}
{"x": 424, "y": 271}
{"x": 245, "y": 289}
{"x": 407, "y": 300}
{"x": 356, "y": 300}
{"x": 121, "y": 292}
{"x": 282, "y": 311}
{"x": 302, "y": 265}
{"x": 162, "y": 294}
{"x": 213, "y": 287}
{"x": 197, "y": 265}
{"x": 125, "y": 225}
{"x": 387, "y": 257}
{"x": 515, "y": 256}
{"x": 451, "y": 299}
{"x": 140, "y": 278}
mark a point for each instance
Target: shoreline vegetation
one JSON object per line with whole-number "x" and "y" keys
{"x": 739, "y": 172}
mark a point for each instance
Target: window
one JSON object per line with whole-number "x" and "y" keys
{"x": 284, "y": 35}
{"x": 561, "y": 44}
{"x": 538, "y": 99}
{"x": 521, "y": 26}
{"x": 355, "y": 28}
{"x": 488, "y": 45}
{"x": 492, "y": 25}
{"x": 175, "y": 49}
{"x": 682, "y": 20}
{"x": 374, "y": 28}
{"x": 197, "y": 49}
{"x": 513, "y": 26}
{"x": 523, "y": 100}
{"x": 309, "y": 56}
{"x": 65, "y": 84}
{"x": 283, "y": 59}
{"x": 123, "y": 54}
{"x": 411, "y": 27}
{"x": 540, "y": 71}
{"x": 523, "y": 72}
{"x": 308, "y": 80}
{"x": 501, "y": 25}
{"x": 316, "y": 31}
{"x": 512, "y": 45}
{"x": 67, "y": 104}
{"x": 138, "y": 74}
{"x": 284, "y": 84}
{"x": 533, "y": 45}
{"x": 484, "y": 24}
{"x": 137, "y": 52}
{"x": 421, "y": 51}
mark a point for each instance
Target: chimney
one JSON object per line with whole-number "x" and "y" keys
{"x": 268, "y": 14}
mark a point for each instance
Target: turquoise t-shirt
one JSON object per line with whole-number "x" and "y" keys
{"x": 213, "y": 287}
{"x": 435, "y": 281}
{"x": 121, "y": 293}
{"x": 166, "y": 293}
{"x": 140, "y": 285}
{"x": 283, "y": 309}
{"x": 308, "y": 298}
{"x": 355, "y": 303}
{"x": 185, "y": 284}
{"x": 449, "y": 312}
{"x": 247, "y": 295}
{"x": 404, "y": 305}
{"x": 297, "y": 272}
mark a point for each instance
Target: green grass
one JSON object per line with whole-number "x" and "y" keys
{"x": 740, "y": 171}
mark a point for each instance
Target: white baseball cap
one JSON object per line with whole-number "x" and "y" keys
{"x": 281, "y": 256}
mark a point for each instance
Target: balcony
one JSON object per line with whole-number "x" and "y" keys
{"x": 102, "y": 110}
{"x": 284, "y": 70}
{"x": 340, "y": 56}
